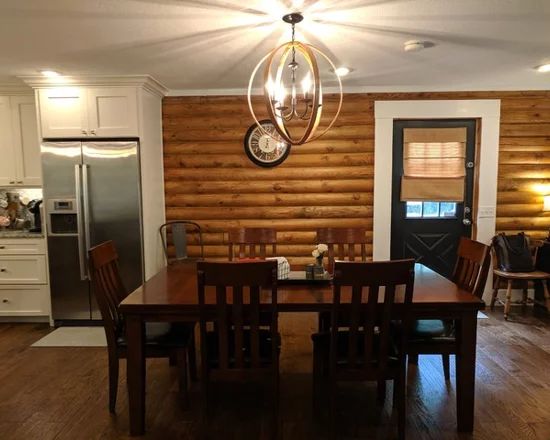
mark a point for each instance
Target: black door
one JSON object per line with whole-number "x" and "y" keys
{"x": 429, "y": 231}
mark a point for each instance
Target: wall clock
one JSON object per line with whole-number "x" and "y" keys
{"x": 265, "y": 150}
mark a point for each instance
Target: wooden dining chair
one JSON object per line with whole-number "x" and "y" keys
{"x": 162, "y": 340}
{"x": 235, "y": 345}
{"x": 179, "y": 231}
{"x": 252, "y": 243}
{"x": 343, "y": 244}
{"x": 435, "y": 336}
{"x": 371, "y": 347}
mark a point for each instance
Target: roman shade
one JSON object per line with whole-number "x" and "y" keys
{"x": 433, "y": 164}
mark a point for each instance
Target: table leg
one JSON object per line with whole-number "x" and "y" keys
{"x": 466, "y": 371}
{"x": 135, "y": 374}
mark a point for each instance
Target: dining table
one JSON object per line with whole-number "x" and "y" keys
{"x": 171, "y": 296}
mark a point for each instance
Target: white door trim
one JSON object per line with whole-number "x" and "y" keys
{"x": 488, "y": 110}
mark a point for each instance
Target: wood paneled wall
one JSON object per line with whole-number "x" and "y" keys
{"x": 329, "y": 182}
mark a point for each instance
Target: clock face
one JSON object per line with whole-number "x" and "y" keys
{"x": 264, "y": 150}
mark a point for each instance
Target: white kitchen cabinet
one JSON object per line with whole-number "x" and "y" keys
{"x": 63, "y": 112}
{"x": 88, "y": 112}
{"x": 7, "y": 156}
{"x": 19, "y": 146}
{"x": 24, "y": 289}
{"x": 25, "y": 140}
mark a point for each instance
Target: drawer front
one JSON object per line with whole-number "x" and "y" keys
{"x": 22, "y": 246}
{"x": 24, "y": 301}
{"x": 23, "y": 269}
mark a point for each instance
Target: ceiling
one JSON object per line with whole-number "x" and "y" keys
{"x": 198, "y": 45}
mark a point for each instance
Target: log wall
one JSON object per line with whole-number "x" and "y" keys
{"x": 329, "y": 182}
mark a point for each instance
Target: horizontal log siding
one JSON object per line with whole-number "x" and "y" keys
{"x": 328, "y": 182}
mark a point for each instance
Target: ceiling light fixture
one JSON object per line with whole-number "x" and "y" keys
{"x": 291, "y": 66}
{"x": 50, "y": 73}
{"x": 414, "y": 45}
{"x": 342, "y": 71}
{"x": 543, "y": 68}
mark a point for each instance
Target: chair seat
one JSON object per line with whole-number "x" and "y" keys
{"x": 164, "y": 334}
{"x": 266, "y": 345}
{"x": 427, "y": 329}
{"x": 322, "y": 339}
{"x": 535, "y": 275}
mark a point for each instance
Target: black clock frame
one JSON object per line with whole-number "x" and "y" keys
{"x": 253, "y": 158}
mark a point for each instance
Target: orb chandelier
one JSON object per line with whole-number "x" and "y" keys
{"x": 292, "y": 89}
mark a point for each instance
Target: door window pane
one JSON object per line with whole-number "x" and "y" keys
{"x": 431, "y": 209}
{"x": 414, "y": 209}
{"x": 447, "y": 209}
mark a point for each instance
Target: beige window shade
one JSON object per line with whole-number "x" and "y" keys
{"x": 433, "y": 164}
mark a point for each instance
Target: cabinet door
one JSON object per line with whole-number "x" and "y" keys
{"x": 7, "y": 157}
{"x": 63, "y": 112}
{"x": 112, "y": 112}
{"x": 25, "y": 141}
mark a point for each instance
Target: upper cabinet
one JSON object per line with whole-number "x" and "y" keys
{"x": 77, "y": 112}
{"x": 19, "y": 146}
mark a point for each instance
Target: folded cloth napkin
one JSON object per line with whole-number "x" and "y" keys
{"x": 283, "y": 268}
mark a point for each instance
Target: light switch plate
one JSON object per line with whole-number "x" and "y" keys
{"x": 486, "y": 212}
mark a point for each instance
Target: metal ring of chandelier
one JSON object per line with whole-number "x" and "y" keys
{"x": 313, "y": 104}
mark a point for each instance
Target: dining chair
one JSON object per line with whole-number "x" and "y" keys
{"x": 235, "y": 345}
{"x": 162, "y": 340}
{"x": 252, "y": 243}
{"x": 179, "y": 231}
{"x": 343, "y": 244}
{"x": 372, "y": 345}
{"x": 435, "y": 336}
{"x": 511, "y": 280}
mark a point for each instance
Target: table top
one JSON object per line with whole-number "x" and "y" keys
{"x": 174, "y": 290}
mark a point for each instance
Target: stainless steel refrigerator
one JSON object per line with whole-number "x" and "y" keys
{"x": 92, "y": 194}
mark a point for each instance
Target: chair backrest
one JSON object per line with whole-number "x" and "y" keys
{"x": 342, "y": 243}
{"x": 472, "y": 266}
{"x": 248, "y": 239}
{"x": 357, "y": 290}
{"x": 179, "y": 230}
{"x": 108, "y": 288}
{"x": 236, "y": 312}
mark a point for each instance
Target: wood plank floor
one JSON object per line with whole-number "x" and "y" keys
{"x": 61, "y": 393}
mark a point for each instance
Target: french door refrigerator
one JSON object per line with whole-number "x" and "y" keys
{"x": 92, "y": 194}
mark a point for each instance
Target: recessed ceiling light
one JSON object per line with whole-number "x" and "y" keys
{"x": 414, "y": 45}
{"x": 50, "y": 73}
{"x": 342, "y": 71}
{"x": 543, "y": 68}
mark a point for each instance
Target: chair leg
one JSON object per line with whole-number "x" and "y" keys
{"x": 113, "y": 381}
{"x": 275, "y": 409}
{"x": 381, "y": 391}
{"x": 508, "y": 303}
{"x": 173, "y": 359}
{"x": 317, "y": 377}
{"x": 182, "y": 373}
{"x": 524, "y": 299}
{"x": 446, "y": 367}
{"x": 400, "y": 387}
{"x": 413, "y": 359}
{"x": 192, "y": 355}
{"x": 496, "y": 283}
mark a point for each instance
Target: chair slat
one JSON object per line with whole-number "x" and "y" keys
{"x": 248, "y": 238}
{"x": 223, "y": 327}
{"x": 238, "y": 323}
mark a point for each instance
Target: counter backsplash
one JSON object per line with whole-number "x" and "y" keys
{"x": 16, "y": 206}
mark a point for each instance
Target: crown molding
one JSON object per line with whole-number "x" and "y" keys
{"x": 15, "y": 89}
{"x": 146, "y": 82}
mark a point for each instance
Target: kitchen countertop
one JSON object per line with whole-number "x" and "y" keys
{"x": 19, "y": 234}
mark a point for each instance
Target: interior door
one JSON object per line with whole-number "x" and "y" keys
{"x": 429, "y": 230}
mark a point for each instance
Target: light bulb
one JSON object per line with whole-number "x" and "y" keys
{"x": 270, "y": 87}
{"x": 306, "y": 84}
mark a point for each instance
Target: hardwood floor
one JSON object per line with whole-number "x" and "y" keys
{"x": 61, "y": 393}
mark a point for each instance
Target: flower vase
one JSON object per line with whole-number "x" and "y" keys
{"x": 319, "y": 269}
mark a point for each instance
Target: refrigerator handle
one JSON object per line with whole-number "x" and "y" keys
{"x": 82, "y": 254}
{"x": 86, "y": 207}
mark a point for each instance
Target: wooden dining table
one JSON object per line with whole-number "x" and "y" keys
{"x": 171, "y": 296}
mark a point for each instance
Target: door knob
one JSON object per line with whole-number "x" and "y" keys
{"x": 466, "y": 222}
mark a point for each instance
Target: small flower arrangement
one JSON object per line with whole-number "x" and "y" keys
{"x": 319, "y": 252}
